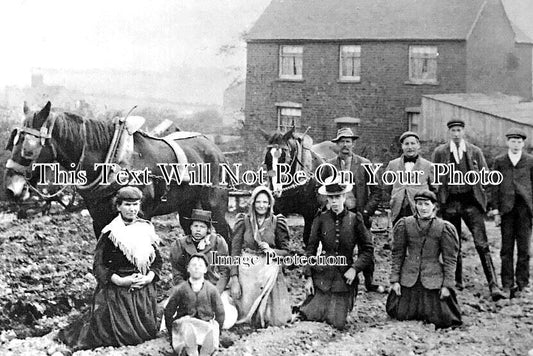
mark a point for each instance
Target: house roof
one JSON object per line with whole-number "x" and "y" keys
{"x": 499, "y": 105}
{"x": 366, "y": 19}
{"x": 520, "y": 36}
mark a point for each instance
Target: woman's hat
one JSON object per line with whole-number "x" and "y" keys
{"x": 426, "y": 195}
{"x": 334, "y": 187}
{"x": 201, "y": 215}
{"x": 345, "y": 132}
{"x": 129, "y": 194}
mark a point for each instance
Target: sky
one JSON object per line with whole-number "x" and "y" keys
{"x": 144, "y": 35}
{"x": 148, "y": 35}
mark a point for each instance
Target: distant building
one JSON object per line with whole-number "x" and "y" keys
{"x": 313, "y": 61}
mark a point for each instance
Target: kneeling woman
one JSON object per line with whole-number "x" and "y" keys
{"x": 259, "y": 288}
{"x": 126, "y": 266}
{"x": 424, "y": 257}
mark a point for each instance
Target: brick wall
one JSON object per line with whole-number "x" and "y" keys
{"x": 379, "y": 100}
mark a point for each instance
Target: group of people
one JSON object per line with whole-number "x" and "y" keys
{"x": 213, "y": 281}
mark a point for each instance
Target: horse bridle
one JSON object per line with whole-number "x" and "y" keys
{"x": 45, "y": 136}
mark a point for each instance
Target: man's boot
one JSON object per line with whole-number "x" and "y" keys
{"x": 488, "y": 267}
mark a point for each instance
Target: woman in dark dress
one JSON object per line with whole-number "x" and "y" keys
{"x": 126, "y": 265}
{"x": 424, "y": 257}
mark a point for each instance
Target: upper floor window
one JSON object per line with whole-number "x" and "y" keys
{"x": 423, "y": 64}
{"x": 290, "y": 62}
{"x": 350, "y": 63}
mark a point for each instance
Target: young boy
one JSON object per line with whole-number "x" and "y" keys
{"x": 194, "y": 313}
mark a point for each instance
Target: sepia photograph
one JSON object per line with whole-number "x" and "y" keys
{"x": 266, "y": 177}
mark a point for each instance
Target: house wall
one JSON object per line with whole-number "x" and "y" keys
{"x": 379, "y": 100}
{"x": 494, "y": 62}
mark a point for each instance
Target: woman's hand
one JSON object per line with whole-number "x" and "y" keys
{"x": 350, "y": 275}
{"x": 265, "y": 247}
{"x": 125, "y": 281}
{"x": 444, "y": 293}
{"x": 396, "y": 288}
{"x": 140, "y": 280}
{"x": 309, "y": 287}
{"x": 235, "y": 288}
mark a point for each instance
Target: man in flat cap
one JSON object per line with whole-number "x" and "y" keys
{"x": 402, "y": 202}
{"x": 512, "y": 204}
{"x": 464, "y": 201}
{"x": 364, "y": 198}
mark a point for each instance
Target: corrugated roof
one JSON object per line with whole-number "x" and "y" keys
{"x": 500, "y": 105}
{"x": 520, "y": 36}
{"x": 366, "y": 19}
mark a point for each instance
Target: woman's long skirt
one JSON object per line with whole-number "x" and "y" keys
{"x": 118, "y": 317}
{"x": 419, "y": 303}
{"x": 265, "y": 299}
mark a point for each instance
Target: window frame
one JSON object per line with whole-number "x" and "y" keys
{"x": 296, "y": 55}
{"x": 349, "y": 78}
{"x": 288, "y": 106}
{"x": 431, "y": 53}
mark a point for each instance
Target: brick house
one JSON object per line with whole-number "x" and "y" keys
{"x": 313, "y": 61}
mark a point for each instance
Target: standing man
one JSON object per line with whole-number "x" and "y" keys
{"x": 339, "y": 231}
{"x": 464, "y": 201}
{"x": 364, "y": 198}
{"x": 512, "y": 204}
{"x": 402, "y": 202}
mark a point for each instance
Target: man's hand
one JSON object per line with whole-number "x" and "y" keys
{"x": 350, "y": 275}
{"x": 444, "y": 293}
{"x": 309, "y": 287}
{"x": 497, "y": 219}
{"x": 397, "y": 288}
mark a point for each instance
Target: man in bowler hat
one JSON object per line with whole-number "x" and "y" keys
{"x": 512, "y": 205}
{"x": 467, "y": 202}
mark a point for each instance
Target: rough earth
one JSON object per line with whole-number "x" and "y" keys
{"x": 45, "y": 281}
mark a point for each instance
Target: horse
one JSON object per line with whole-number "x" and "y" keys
{"x": 298, "y": 152}
{"x": 76, "y": 142}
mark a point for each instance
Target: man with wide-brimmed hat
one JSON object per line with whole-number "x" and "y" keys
{"x": 364, "y": 198}
{"x": 204, "y": 240}
{"x": 465, "y": 201}
{"x": 333, "y": 288}
{"x": 512, "y": 204}
{"x": 402, "y": 202}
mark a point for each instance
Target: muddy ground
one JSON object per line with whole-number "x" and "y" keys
{"x": 45, "y": 281}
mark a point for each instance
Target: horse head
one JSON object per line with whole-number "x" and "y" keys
{"x": 285, "y": 148}
{"x": 28, "y": 146}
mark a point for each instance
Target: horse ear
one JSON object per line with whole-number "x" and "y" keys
{"x": 265, "y": 134}
{"x": 41, "y": 117}
{"x": 288, "y": 134}
{"x": 25, "y": 108}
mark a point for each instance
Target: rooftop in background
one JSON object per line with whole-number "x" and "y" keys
{"x": 370, "y": 20}
{"x": 499, "y": 105}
